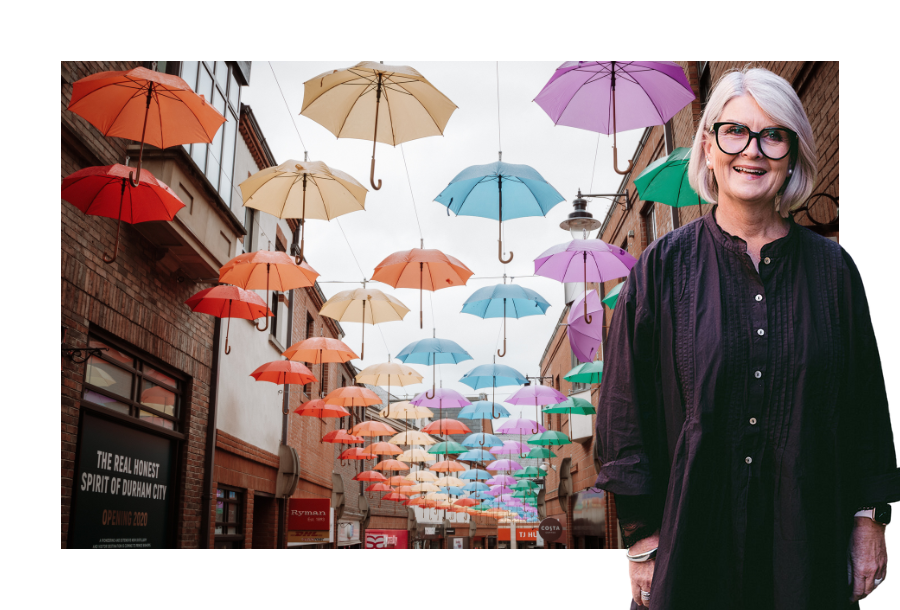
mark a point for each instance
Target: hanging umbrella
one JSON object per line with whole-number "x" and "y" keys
{"x": 504, "y": 465}
{"x": 379, "y": 487}
{"x": 492, "y": 375}
{"x": 107, "y": 191}
{"x": 666, "y": 181}
{"x": 537, "y": 395}
{"x": 389, "y": 373}
{"x": 549, "y": 438}
{"x": 405, "y": 410}
{"x": 284, "y": 372}
{"x": 587, "y": 260}
{"x": 382, "y": 448}
{"x": 584, "y": 337}
{"x": 348, "y": 103}
{"x": 447, "y": 466}
{"x": 502, "y": 300}
{"x": 483, "y": 409}
{"x": 465, "y": 502}
{"x": 425, "y": 487}
{"x": 422, "y": 269}
{"x": 317, "y": 350}
{"x": 612, "y": 297}
{"x": 370, "y": 475}
{"x": 431, "y": 352}
{"x": 147, "y": 106}
{"x": 425, "y": 476}
{"x": 475, "y": 475}
{"x": 528, "y": 473}
{"x": 318, "y": 408}
{"x": 350, "y": 306}
{"x": 509, "y": 448}
{"x": 539, "y": 453}
{"x": 525, "y": 484}
{"x": 579, "y": 406}
{"x": 446, "y": 448}
{"x": 354, "y": 453}
{"x": 412, "y": 437}
{"x": 228, "y": 302}
{"x": 354, "y": 396}
{"x": 265, "y": 270}
{"x": 344, "y": 437}
{"x": 395, "y": 497}
{"x": 452, "y": 491}
{"x": 446, "y": 426}
{"x": 444, "y": 398}
{"x": 370, "y": 428}
{"x": 583, "y": 94}
{"x": 449, "y": 481}
{"x": 476, "y": 455}
{"x": 520, "y": 426}
{"x": 482, "y": 439}
{"x": 303, "y": 189}
{"x": 478, "y": 191}
{"x": 476, "y": 486}
{"x": 416, "y": 455}
{"x": 588, "y": 372}
{"x": 502, "y": 479}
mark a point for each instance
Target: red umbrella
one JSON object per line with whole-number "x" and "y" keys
{"x": 370, "y": 475}
{"x": 318, "y": 408}
{"x": 229, "y": 302}
{"x": 341, "y": 436}
{"x": 379, "y": 487}
{"x": 354, "y": 453}
{"x": 284, "y": 372}
{"x": 105, "y": 191}
{"x": 466, "y": 502}
{"x": 395, "y": 497}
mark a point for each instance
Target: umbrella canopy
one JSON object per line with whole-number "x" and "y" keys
{"x": 525, "y": 484}
{"x": 342, "y": 436}
{"x": 304, "y": 190}
{"x": 446, "y": 426}
{"x": 379, "y": 487}
{"x": 478, "y": 191}
{"x": 229, "y": 302}
{"x": 536, "y": 395}
{"x": 588, "y": 372}
{"x": 372, "y": 101}
{"x": 382, "y": 448}
{"x": 510, "y": 448}
{"x": 551, "y": 437}
{"x": 317, "y": 350}
{"x": 578, "y": 406}
{"x": 422, "y": 476}
{"x": 483, "y": 409}
{"x": 393, "y": 466}
{"x": 107, "y": 191}
{"x": 370, "y": 475}
{"x": 430, "y": 352}
{"x": 465, "y": 502}
{"x": 415, "y": 455}
{"x": 502, "y": 479}
{"x": 405, "y": 410}
{"x": 476, "y": 486}
{"x": 364, "y": 305}
{"x": 583, "y": 94}
{"x": 388, "y": 374}
{"x": 528, "y": 473}
{"x": 666, "y": 181}
{"x": 425, "y": 487}
{"x": 318, "y": 408}
{"x": 584, "y": 260}
{"x": 444, "y": 398}
{"x": 422, "y": 269}
{"x": 447, "y": 466}
{"x": 354, "y": 396}
{"x": 520, "y": 426}
{"x": 504, "y": 465}
{"x": 492, "y": 375}
{"x": 612, "y": 297}
{"x": 287, "y": 372}
{"x": 539, "y": 453}
{"x": 482, "y": 439}
{"x": 266, "y": 270}
{"x": 446, "y": 448}
{"x": 505, "y": 300}
{"x": 354, "y": 453}
{"x": 370, "y": 428}
{"x": 452, "y": 491}
{"x": 395, "y": 497}
{"x": 476, "y": 455}
{"x": 449, "y": 481}
{"x": 412, "y": 437}
{"x": 584, "y": 337}
{"x": 475, "y": 474}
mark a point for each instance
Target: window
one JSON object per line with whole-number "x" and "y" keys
{"x": 229, "y": 533}
{"x": 325, "y": 368}
{"x": 273, "y": 321}
{"x": 577, "y": 387}
{"x": 705, "y": 83}
{"x": 310, "y": 332}
{"x": 216, "y": 82}
{"x": 648, "y": 219}
{"x": 122, "y": 382}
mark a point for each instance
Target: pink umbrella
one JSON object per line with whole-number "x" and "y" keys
{"x": 585, "y": 338}
{"x": 444, "y": 398}
{"x": 520, "y": 426}
{"x": 502, "y": 479}
{"x": 504, "y": 465}
{"x": 511, "y": 448}
{"x": 497, "y": 490}
{"x": 537, "y": 395}
{"x": 587, "y": 260}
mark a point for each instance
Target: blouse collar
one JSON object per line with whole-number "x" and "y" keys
{"x": 777, "y": 248}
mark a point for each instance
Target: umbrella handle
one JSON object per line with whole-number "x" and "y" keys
{"x": 283, "y": 412}
{"x": 504, "y": 349}
{"x": 228, "y": 328}
{"x": 107, "y": 259}
{"x": 266, "y": 327}
{"x": 504, "y": 326}
{"x": 362, "y": 351}
{"x": 616, "y": 163}
{"x": 505, "y": 261}
{"x": 372, "y": 173}
{"x": 136, "y": 180}
{"x": 375, "y": 137}
{"x": 587, "y": 317}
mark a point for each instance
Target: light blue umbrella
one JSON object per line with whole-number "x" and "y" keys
{"x": 483, "y": 409}
{"x": 482, "y": 439}
{"x": 433, "y": 351}
{"x": 453, "y": 491}
{"x": 474, "y": 474}
{"x": 482, "y": 495}
{"x": 505, "y": 300}
{"x": 478, "y": 191}
{"x": 493, "y": 375}
{"x": 476, "y": 486}
{"x": 476, "y": 455}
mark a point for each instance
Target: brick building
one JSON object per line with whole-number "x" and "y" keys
{"x": 588, "y": 516}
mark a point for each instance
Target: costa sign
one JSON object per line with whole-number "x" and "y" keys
{"x": 550, "y": 529}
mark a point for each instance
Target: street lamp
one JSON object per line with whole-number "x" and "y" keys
{"x": 581, "y": 222}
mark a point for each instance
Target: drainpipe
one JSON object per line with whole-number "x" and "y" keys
{"x": 286, "y": 399}
{"x": 209, "y": 460}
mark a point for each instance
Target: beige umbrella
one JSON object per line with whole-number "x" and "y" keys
{"x": 387, "y": 374}
{"x": 348, "y": 103}
{"x": 366, "y": 305}
{"x": 417, "y": 455}
{"x": 422, "y": 476}
{"x": 425, "y": 487}
{"x": 450, "y": 482}
{"x": 406, "y": 410}
{"x": 303, "y": 189}
{"x": 412, "y": 437}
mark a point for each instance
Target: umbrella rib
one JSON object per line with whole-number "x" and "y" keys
{"x": 119, "y": 113}
{"x": 344, "y": 122}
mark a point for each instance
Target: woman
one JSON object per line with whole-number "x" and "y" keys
{"x": 743, "y": 420}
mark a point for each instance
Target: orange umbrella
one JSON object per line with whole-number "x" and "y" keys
{"x": 422, "y": 269}
{"x": 447, "y": 466}
{"x": 145, "y": 105}
{"x": 394, "y": 466}
{"x": 267, "y": 270}
{"x": 379, "y": 487}
{"x": 318, "y": 408}
{"x": 371, "y": 428}
{"x": 446, "y": 426}
{"x": 229, "y": 302}
{"x": 395, "y": 497}
{"x": 382, "y": 449}
{"x": 354, "y": 453}
{"x": 286, "y": 372}
{"x": 398, "y": 480}
{"x": 464, "y": 502}
{"x": 421, "y": 502}
{"x": 370, "y": 475}
{"x": 405, "y": 489}
{"x": 355, "y": 396}
{"x": 317, "y": 350}
{"x": 341, "y": 436}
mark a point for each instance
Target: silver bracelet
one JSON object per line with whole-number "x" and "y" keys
{"x": 642, "y": 557}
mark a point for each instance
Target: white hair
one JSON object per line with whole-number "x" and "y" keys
{"x": 780, "y": 102}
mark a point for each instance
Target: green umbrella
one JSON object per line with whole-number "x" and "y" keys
{"x": 527, "y": 473}
{"x": 551, "y": 437}
{"x": 612, "y": 297}
{"x": 447, "y": 448}
{"x": 540, "y": 453}
{"x": 579, "y": 406}
{"x": 666, "y": 181}
{"x": 588, "y": 372}
{"x": 525, "y": 484}
{"x": 525, "y": 493}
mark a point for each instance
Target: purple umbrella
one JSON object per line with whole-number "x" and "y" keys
{"x": 519, "y": 426}
{"x": 511, "y": 448}
{"x": 585, "y": 338}
{"x": 536, "y": 395}
{"x": 444, "y": 398}
{"x": 587, "y": 260}
{"x": 497, "y": 490}
{"x": 507, "y": 465}
{"x": 583, "y": 94}
{"x": 502, "y": 479}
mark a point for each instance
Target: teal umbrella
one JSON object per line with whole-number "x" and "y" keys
{"x": 589, "y": 372}
{"x": 550, "y": 437}
{"x": 446, "y": 448}
{"x": 540, "y": 453}
{"x": 666, "y": 181}
{"x": 579, "y": 406}
{"x": 525, "y": 484}
{"x": 612, "y": 297}
{"x": 528, "y": 473}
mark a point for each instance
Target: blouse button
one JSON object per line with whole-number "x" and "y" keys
{"x": 748, "y": 459}
{"x": 759, "y": 297}
{"x": 757, "y": 374}
{"x": 767, "y": 260}
{"x": 760, "y": 332}
{"x": 752, "y": 421}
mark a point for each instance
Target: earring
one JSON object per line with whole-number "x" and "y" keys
{"x": 790, "y": 171}
{"x": 708, "y": 164}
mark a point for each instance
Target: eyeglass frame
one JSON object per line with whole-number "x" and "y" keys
{"x": 755, "y": 134}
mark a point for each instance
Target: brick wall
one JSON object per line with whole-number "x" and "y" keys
{"x": 135, "y": 300}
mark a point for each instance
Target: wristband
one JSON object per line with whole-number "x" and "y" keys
{"x": 651, "y": 554}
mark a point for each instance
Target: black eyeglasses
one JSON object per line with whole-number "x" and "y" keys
{"x": 774, "y": 142}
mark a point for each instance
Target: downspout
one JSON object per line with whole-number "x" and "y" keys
{"x": 286, "y": 399}
{"x": 211, "y": 427}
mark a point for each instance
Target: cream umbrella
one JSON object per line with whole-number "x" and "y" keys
{"x": 425, "y": 487}
{"x": 412, "y": 437}
{"x": 365, "y": 305}
{"x": 423, "y": 476}
{"x": 303, "y": 189}
{"x": 415, "y": 454}
{"x": 406, "y": 410}
{"x": 348, "y": 103}
{"x": 449, "y": 482}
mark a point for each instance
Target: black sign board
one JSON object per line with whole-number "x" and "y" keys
{"x": 450, "y": 531}
{"x": 550, "y": 529}
{"x": 123, "y": 487}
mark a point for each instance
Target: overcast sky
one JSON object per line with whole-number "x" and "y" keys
{"x": 562, "y": 155}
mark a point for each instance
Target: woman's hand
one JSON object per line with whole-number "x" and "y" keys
{"x": 868, "y": 557}
{"x": 641, "y": 574}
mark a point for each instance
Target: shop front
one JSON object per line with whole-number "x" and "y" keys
{"x": 387, "y": 539}
{"x": 526, "y": 536}
{"x": 561, "y": 542}
{"x": 348, "y": 534}
{"x": 589, "y": 519}
{"x": 310, "y": 523}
